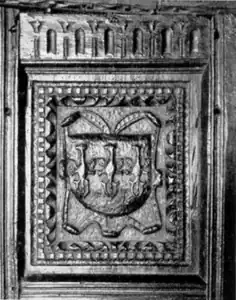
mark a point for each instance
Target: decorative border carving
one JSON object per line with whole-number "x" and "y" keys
{"x": 46, "y": 249}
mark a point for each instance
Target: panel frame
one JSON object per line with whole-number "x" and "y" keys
{"x": 192, "y": 81}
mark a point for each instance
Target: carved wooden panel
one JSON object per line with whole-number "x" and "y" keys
{"x": 111, "y": 173}
{"x": 123, "y": 152}
{"x": 71, "y": 37}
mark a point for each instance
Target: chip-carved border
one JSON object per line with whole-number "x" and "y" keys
{"x": 42, "y": 253}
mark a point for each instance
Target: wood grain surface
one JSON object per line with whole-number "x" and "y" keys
{"x": 117, "y": 131}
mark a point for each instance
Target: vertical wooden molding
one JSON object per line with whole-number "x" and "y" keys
{"x": 66, "y": 46}
{"x": 220, "y": 135}
{"x": 210, "y": 142}
{"x": 94, "y": 47}
{"x": 2, "y": 120}
{"x": 230, "y": 176}
{"x": 37, "y": 47}
{"x": 217, "y": 141}
{"x": 123, "y": 47}
{"x": 10, "y": 153}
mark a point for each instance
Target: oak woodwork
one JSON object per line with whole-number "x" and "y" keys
{"x": 120, "y": 190}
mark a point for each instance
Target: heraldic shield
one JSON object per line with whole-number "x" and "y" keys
{"x": 109, "y": 171}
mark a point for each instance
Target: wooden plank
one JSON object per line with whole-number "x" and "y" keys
{"x": 2, "y": 153}
{"x": 230, "y": 181}
{"x": 10, "y": 201}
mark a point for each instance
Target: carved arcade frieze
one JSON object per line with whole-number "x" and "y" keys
{"x": 82, "y": 37}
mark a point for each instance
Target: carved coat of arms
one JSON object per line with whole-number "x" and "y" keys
{"x": 109, "y": 171}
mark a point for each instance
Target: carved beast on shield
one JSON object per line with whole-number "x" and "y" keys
{"x": 110, "y": 173}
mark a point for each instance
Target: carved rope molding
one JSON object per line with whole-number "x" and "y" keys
{"x": 46, "y": 245}
{"x": 116, "y": 37}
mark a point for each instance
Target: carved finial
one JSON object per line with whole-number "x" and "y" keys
{"x": 125, "y": 25}
{"x": 151, "y": 26}
{"x": 36, "y": 25}
{"x": 182, "y": 26}
{"x": 94, "y": 24}
{"x": 66, "y": 26}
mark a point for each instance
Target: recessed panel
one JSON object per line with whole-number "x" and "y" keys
{"x": 110, "y": 177}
